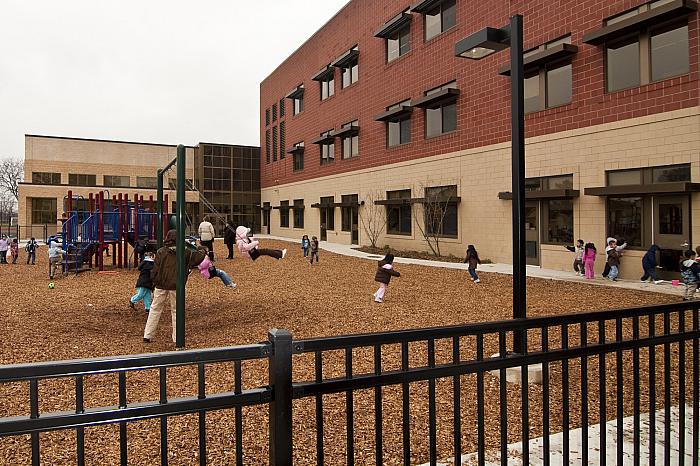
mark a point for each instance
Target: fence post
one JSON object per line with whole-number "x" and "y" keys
{"x": 280, "y": 379}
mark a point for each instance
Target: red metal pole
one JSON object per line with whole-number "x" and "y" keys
{"x": 153, "y": 217}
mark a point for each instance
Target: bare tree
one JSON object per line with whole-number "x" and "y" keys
{"x": 11, "y": 173}
{"x": 373, "y": 217}
{"x": 7, "y": 208}
{"x": 435, "y": 204}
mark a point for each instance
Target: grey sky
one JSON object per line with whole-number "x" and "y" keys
{"x": 167, "y": 71}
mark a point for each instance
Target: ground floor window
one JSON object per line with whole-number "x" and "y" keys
{"x": 625, "y": 216}
{"x": 284, "y": 214}
{"x": 398, "y": 216}
{"x": 328, "y": 213}
{"x": 298, "y": 213}
{"x": 349, "y": 212}
{"x": 440, "y": 210}
{"x": 558, "y": 217}
{"x": 44, "y": 210}
{"x": 266, "y": 214}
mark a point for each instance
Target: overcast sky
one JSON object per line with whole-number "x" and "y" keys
{"x": 164, "y": 71}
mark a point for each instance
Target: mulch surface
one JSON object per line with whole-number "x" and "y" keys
{"x": 88, "y": 316}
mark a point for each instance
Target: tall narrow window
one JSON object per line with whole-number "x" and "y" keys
{"x": 298, "y": 105}
{"x": 274, "y": 144}
{"x": 351, "y": 140}
{"x": 284, "y": 214}
{"x": 398, "y": 129}
{"x": 298, "y": 156}
{"x": 274, "y": 112}
{"x": 283, "y": 150}
{"x": 267, "y": 116}
{"x": 327, "y": 87}
{"x": 398, "y": 215}
{"x": 349, "y": 67}
{"x": 440, "y": 19}
{"x": 298, "y": 213}
{"x": 281, "y": 108}
{"x": 398, "y": 44}
{"x": 441, "y": 116}
{"x": 623, "y": 64}
{"x": 267, "y": 146}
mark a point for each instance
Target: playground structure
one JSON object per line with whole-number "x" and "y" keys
{"x": 117, "y": 223}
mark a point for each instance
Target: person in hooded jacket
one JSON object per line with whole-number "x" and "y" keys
{"x": 230, "y": 237}
{"x": 164, "y": 275}
{"x": 690, "y": 272}
{"x": 472, "y": 258}
{"x": 144, "y": 284}
{"x": 385, "y": 270}
{"x": 249, "y": 247}
{"x": 649, "y": 265}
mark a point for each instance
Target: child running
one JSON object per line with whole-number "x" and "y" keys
{"x": 14, "y": 250}
{"x": 314, "y": 250}
{"x": 649, "y": 265}
{"x": 588, "y": 259}
{"x": 208, "y": 271}
{"x": 385, "y": 270}
{"x": 614, "y": 252}
{"x": 472, "y": 258}
{"x": 249, "y": 247}
{"x": 690, "y": 271}
{"x": 305, "y": 245}
{"x": 144, "y": 284}
{"x": 578, "y": 257}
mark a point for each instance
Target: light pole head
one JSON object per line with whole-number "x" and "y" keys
{"x": 483, "y": 43}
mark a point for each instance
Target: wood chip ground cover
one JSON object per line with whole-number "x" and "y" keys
{"x": 88, "y": 316}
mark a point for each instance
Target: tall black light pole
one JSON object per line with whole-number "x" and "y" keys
{"x": 477, "y": 46}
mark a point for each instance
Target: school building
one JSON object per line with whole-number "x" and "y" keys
{"x": 222, "y": 179}
{"x": 374, "y": 111}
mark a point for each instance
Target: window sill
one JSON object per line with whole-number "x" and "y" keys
{"x": 398, "y": 235}
{"x": 441, "y": 135}
{"x": 552, "y": 110}
{"x": 649, "y": 87}
{"x": 351, "y": 158}
{"x": 400, "y": 146}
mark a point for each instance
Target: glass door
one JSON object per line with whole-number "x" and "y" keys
{"x": 671, "y": 232}
{"x": 532, "y": 232}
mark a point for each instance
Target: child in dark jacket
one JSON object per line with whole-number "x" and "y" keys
{"x": 385, "y": 270}
{"x": 472, "y": 258}
{"x": 690, "y": 271}
{"x": 144, "y": 284}
{"x": 314, "y": 250}
{"x": 649, "y": 265}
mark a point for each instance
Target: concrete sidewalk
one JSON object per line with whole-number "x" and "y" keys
{"x": 507, "y": 269}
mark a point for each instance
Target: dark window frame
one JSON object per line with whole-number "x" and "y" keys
{"x": 298, "y": 208}
{"x": 267, "y": 146}
{"x": 403, "y": 213}
{"x": 121, "y": 184}
{"x": 284, "y": 214}
{"x": 327, "y": 85}
{"x": 450, "y": 206}
{"x": 283, "y": 148}
{"x": 274, "y": 143}
{"x": 48, "y": 178}
{"x": 543, "y": 75}
{"x": 403, "y": 33}
{"x": 46, "y": 215}
{"x": 82, "y": 179}
{"x": 443, "y": 27}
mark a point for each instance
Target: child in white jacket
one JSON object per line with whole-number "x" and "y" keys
{"x": 249, "y": 247}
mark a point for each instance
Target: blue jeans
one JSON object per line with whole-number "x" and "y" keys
{"x": 613, "y": 272}
{"x": 224, "y": 277}
{"x": 472, "y": 272}
{"x": 314, "y": 254}
{"x": 145, "y": 294}
{"x": 306, "y": 252}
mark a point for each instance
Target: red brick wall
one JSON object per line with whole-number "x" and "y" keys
{"x": 484, "y": 104}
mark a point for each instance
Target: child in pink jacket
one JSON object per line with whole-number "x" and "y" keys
{"x": 208, "y": 271}
{"x": 249, "y": 247}
{"x": 588, "y": 259}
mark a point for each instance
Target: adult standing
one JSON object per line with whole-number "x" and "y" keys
{"x": 230, "y": 237}
{"x": 164, "y": 275}
{"x": 206, "y": 236}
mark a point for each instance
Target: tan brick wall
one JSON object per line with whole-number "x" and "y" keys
{"x": 480, "y": 174}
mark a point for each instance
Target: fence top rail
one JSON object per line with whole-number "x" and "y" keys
{"x": 422, "y": 334}
{"x": 68, "y": 368}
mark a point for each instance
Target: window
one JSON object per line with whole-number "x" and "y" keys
{"x": 399, "y": 131}
{"x": 46, "y": 178}
{"x": 44, "y": 210}
{"x": 281, "y": 108}
{"x": 440, "y": 210}
{"x": 274, "y": 144}
{"x": 398, "y": 217}
{"x": 670, "y": 174}
{"x": 283, "y": 150}
{"x": 79, "y": 179}
{"x": 398, "y": 44}
{"x": 328, "y": 212}
{"x": 348, "y": 211}
{"x": 442, "y": 118}
{"x": 549, "y": 85}
{"x": 440, "y": 19}
{"x": 150, "y": 182}
{"x": 267, "y": 146}
{"x": 350, "y": 72}
{"x": 625, "y": 219}
{"x": 266, "y": 214}
{"x": 558, "y": 217}
{"x": 670, "y": 219}
{"x": 274, "y": 112}
{"x": 298, "y": 213}
{"x": 298, "y": 156}
{"x": 298, "y": 105}
{"x": 624, "y": 177}
{"x": 665, "y": 48}
{"x": 284, "y": 214}
{"x": 351, "y": 142}
{"x": 665, "y": 174}
{"x": 327, "y": 87}
{"x": 117, "y": 181}
{"x": 267, "y": 116}
{"x": 327, "y": 149}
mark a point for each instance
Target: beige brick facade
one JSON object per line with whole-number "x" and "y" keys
{"x": 480, "y": 174}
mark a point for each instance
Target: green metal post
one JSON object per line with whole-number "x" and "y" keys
{"x": 180, "y": 261}
{"x": 159, "y": 209}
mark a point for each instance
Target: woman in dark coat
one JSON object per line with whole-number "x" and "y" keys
{"x": 230, "y": 237}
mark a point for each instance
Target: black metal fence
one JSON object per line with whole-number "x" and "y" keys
{"x": 427, "y": 394}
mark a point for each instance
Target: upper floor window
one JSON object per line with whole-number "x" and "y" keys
{"x": 281, "y": 108}
{"x": 326, "y": 143}
{"x": 46, "y": 178}
{"x": 79, "y": 179}
{"x": 298, "y": 105}
{"x": 298, "y": 156}
{"x": 327, "y": 87}
{"x": 550, "y": 84}
{"x": 150, "y": 182}
{"x": 117, "y": 181}
{"x": 440, "y": 18}
{"x": 283, "y": 149}
{"x": 267, "y": 116}
{"x": 648, "y": 53}
{"x": 350, "y": 140}
{"x": 267, "y": 146}
{"x": 274, "y": 144}
{"x": 440, "y": 109}
{"x": 397, "y": 35}
{"x": 349, "y": 68}
{"x": 274, "y": 112}
{"x": 398, "y": 128}
{"x": 297, "y": 97}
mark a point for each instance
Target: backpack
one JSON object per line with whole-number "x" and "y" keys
{"x": 30, "y": 246}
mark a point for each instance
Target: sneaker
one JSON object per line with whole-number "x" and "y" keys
{"x": 477, "y": 281}
{"x": 132, "y": 305}
{"x": 284, "y": 252}
{"x": 377, "y": 300}
{"x": 656, "y": 282}
{"x": 146, "y": 340}
{"x": 233, "y": 286}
